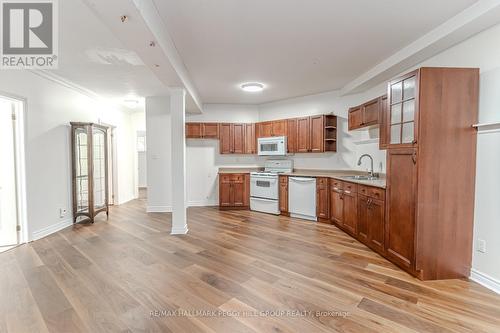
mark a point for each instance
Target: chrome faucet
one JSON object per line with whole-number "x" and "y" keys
{"x": 371, "y": 174}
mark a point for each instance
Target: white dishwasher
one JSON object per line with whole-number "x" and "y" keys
{"x": 302, "y": 197}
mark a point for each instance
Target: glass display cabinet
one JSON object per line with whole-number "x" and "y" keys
{"x": 90, "y": 170}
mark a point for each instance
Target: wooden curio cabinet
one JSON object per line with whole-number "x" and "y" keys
{"x": 89, "y": 143}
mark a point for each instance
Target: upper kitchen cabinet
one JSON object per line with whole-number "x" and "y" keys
{"x": 232, "y": 138}
{"x": 402, "y": 119}
{"x": 272, "y": 128}
{"x": 383, "y": 120}
{"x": 202, "y": 130}
{"x": 431, "y": 161}
{"x": 365, "y": 115}
{"x": 317, "y": 134}
{"x": 250, "y": 140}
{"x": 291, "y": 129}
{"x": 303, "y": 135}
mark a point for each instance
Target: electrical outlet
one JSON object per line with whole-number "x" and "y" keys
{"x": 62, "y": 212}
{"x": 481, "y": 245}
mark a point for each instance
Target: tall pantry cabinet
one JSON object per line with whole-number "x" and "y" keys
{"x": 431, "y": 150}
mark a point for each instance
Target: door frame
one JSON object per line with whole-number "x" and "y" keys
{"x": 112, "y": 168}
{"x": 20, "y": 110}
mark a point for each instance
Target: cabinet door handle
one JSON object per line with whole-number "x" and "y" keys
{"x": 348, "y": 192}
{"x": 414, "y": 157}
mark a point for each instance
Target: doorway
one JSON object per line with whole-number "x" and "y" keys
{"x": 11, "y": 174}
{"x": 142, "y": 165}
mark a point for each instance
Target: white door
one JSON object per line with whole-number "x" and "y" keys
{"x": 8, "y": 194}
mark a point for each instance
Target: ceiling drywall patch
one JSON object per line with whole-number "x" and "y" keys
{"x": 114, "y": 56}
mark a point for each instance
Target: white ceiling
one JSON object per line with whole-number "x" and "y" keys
{"x": 91, "y": 56}
{"x": 295, "y": 47}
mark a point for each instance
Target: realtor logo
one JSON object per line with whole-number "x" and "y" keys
{"x": 29, "y": 34}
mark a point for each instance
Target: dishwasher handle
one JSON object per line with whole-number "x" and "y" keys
{"x": 302, "y": 179}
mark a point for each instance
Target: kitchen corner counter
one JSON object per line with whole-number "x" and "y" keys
{"x": 239, "y": 170}
{"x": 340, "y": 175}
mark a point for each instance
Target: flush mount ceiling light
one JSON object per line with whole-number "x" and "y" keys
{"x": 252, "y": 87}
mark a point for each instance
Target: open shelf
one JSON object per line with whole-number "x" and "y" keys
{"x": 330, "y": 133}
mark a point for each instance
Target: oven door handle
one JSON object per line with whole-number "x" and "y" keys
{"x": 263, "y": 199}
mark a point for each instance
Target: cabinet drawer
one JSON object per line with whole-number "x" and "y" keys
{"x": 372, "y": 192}
{"x": 322, "y": 181}
{"x": 350, "y": 188}
{"x": 284, "y": 179}
{"x": 336, "y": 185}
{"x": 232, "y": 177}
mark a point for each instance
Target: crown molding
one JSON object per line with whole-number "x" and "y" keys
{"x": 48, "y": 75}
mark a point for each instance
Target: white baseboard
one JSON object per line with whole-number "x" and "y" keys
{"x": 485, "y": 280}
{"x": 205, "y": 203}
{"x": 179, "y": 231}
{"x": 159, "y": 209}
{"x": 51, "y": 229}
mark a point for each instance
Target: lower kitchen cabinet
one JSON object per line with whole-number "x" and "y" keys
{"x": 322, "y": 200}
{"x": 336, "y": 203}
{"x": 343, "y": 205}
{"x": 350, "y": 211}
{"x": 371, "y": 222}
{"x": 234, "y": 191}
{"x": 283, "y": 195}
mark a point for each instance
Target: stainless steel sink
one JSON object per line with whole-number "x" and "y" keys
{"x": 360, "y": 177}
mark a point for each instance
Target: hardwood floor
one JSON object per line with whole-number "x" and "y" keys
{"x": 129, "y": 274}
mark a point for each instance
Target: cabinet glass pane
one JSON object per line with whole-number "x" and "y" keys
{"x": 99, "y": 168}
{"x": 396, "y": 134}
{"x": 396, "y": 114}
{"x": 81, "y": 170}
{"x": 408, "y": 132}
{"x": 396, "y": 92}
{"x": 409, "y": 110}
{"x": 409, "y": 88}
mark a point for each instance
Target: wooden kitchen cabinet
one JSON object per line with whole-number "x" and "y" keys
{"x": 272, "y": 128}
{"x": 291, "y": 129}
{"x": 365, "y": 115}
{"x": 283, "y": 195}
{"x": 250, "y": 139}
{"x": 210, "y": 130}
{"x": 371, "y": 217}
{"x": 336, "y": 203}
{"x": 350, "y": 210}
{"x": 303, "y": 134}
{"x": 401, "y": 202}
{"x": 322, "y": 200}
{"x": 234, "y": 191}
{"x": 317, "y": 143}
{"x": 383, "y": 120}
{"x": 202, "y": 130}
{"x": 238, "y": 139}
{"x": 355, "y": 117}
{"x": 431, "y": 153}
{"x": 232, "y": 138}
{"x": 343, "y": 205}
{"x": 225, "y": 139}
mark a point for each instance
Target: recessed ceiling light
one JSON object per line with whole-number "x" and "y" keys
{"x": 252, "y": 87}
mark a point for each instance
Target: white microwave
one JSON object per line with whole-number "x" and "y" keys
{"x": 274, "y": 146}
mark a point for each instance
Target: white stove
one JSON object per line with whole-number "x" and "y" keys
{"x": 264, "y": 186}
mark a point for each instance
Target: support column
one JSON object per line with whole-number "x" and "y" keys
{"x": 178, "y": 125}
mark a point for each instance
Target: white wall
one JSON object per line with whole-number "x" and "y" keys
{"x": 159, "y": 154}
{"x": 50, "y": 108}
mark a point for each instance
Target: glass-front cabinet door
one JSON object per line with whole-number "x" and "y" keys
{"x": 90, "y": 170}
{"x": 403, "y": 110}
